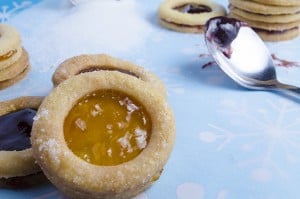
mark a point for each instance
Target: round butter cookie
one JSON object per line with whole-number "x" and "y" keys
{"x": 281, "y": 18}
{"x": 101, "y": 62}
{"x": 7, "y": 83}
{"x": 267, "y": 26}
{"x": 103, "y": 134}
{"x": 10, "y": 46}
{"x": 255, "y": 7}
{"x": 188, "y": 15}
{"x": 275, "y": 36}
{"x": 17, "y": 165}
{"x": 279, "y": 2}
{"x": 16, "y": 68}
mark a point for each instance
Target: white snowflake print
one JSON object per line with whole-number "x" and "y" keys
{"x": 6, "y": 11}
{"x": 267, "y": 137}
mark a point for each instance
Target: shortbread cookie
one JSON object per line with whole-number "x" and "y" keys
{"x": 188, "y": 15}
{"x": 274, "y": 36}
{"x": 16, "y": 68}
{"x": 255, "y": 7}
{"x": 282, "y": 18}
{"x": 279, "y": 2}
{"x": 7, "y": 83}
{"x": 16, "y": 159}
{"x": 101, "y": 62}
{"x": 267, "y": 26}
{"x": 119, "y": 142}
{"x": 10, "y": 46}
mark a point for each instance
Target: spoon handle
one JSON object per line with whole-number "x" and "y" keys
{"x": 293, "y": 90}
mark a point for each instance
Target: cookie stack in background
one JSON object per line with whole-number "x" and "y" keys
{"x": 273, "y": 20}
{"x": 14, "y": 60}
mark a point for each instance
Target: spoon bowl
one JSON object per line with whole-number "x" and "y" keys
{"x": 242, "y": 55}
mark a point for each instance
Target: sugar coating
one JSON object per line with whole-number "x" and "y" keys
{"x": 52, "y": 149}
{"x": 42, "y": 113}
{"x": 73, "y": 30}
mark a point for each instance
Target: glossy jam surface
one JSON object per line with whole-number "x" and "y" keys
{"x": 107, "y": 127}
{"x": 15, "y": 129}
{"x": 7, "y": 55}
{"x": 193, "y": 8}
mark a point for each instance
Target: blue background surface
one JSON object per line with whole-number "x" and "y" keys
{"x": 231, "y": 142}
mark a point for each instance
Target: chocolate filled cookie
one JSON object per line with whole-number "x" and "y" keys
{"x": 188, "y": 15}
{"x": 273, "y": 20}
{"x": 17, "y": 165}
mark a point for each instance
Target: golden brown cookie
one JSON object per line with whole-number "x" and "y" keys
{"x": 282, "y": 18}
{"x": 267, "y": 26}
{"x": 10, "y": 45}
{"x": 16, "y": 68}
{"x": 279, "y": 2}
{"x": 255, "y": 7}
{"x": 275, "y": 36}
{"x": 188, "y": 15}
{"x": 101, "y": 62}
{"x": 16, "y": 159}
{"x": 103, "y": 169}
{"x": 7, "y": 83}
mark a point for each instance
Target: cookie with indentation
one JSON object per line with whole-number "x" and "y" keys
{"x": 271, "y": 18}
{"x": 188, "y": 15}
{"x": 261, "y": 8}
{"x": 101, "y": 62}
{"x": 10, "y": 45}
{"x": 16, "y": 68}
{"x": 17, "y": 165}
{"x": 103, "y": 134}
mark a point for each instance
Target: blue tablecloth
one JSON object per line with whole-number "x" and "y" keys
{"x": 231, "y": 142}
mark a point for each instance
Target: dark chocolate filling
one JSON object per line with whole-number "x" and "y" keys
{"x": 99, "y": 68}
{"x": 15, "y": 130}
{"x": 225, "y": 30}
{"x": 193, "y": 8}
{"x": 222, "y": 31}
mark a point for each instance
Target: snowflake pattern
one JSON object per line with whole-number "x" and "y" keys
{"x": 6, "y": 11}
{"x": 272, "y": 129}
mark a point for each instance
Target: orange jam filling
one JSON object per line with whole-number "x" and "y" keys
{"x": 107, "y": 127}
{"x": 7, "y": 55}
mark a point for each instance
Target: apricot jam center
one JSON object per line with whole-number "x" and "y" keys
{"x": 107, "y": 127}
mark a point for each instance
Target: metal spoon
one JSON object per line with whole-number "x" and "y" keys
{"x": 242, "y": 55}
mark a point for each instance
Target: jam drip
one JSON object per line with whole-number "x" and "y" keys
{"x": 8, "y": 55}
{"x": 15, "y": 129}
{"x": 193, "y": 8}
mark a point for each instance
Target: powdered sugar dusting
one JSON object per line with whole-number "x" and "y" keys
{"x": 51, "y": 147}
{"x": 43, "y": 112}
{"x": 62, "y": 30}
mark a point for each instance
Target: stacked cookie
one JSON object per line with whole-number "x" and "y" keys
{"x": 188, "y": 16}
{"x": 273, "y": 20}
{"x": 14, "y": 60}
